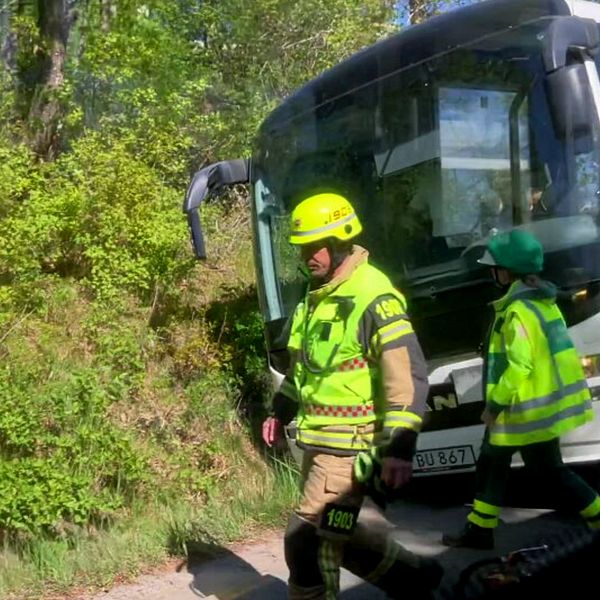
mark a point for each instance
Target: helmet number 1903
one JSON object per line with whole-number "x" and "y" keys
{"x": 338, "y": 213}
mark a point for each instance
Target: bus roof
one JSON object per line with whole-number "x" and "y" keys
{"x": 413, "y": 45}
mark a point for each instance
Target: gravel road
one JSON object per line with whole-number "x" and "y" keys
{"x": 257, "y": 571}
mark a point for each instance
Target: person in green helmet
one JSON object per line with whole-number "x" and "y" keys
{"x": 535, "y": 390}
{"x": 357, "y": 387}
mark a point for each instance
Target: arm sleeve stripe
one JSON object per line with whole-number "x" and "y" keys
{"x": 401, "y": 417}
{"x": 386, "y": 334}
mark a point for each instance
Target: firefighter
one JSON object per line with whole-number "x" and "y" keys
{"x": 535, "y": 390}
{"x": 357, "y": 385}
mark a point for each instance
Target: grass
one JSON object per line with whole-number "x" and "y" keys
{"x": 182, "y": 378}
{"x": 256, "y": 498}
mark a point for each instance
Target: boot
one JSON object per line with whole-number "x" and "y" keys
{"x": 416, "y": 585}
{"x": 472, "y": 536}
{"x": 431, "y": 572}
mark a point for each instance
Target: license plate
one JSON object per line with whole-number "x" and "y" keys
{"x": 443, "y": 459}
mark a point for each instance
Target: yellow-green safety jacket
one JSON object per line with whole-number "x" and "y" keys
{"x": 340, "y": 388}
{"x": 535, "y": 382}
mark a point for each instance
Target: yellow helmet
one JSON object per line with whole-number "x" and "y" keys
{"x": 322, "y": 216}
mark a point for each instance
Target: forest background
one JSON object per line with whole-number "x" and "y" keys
{"x": 132, "y": 377}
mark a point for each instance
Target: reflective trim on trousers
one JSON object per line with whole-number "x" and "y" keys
{"x": 484, "y": 521}
{"x": 487, "y": 509}
{"x": 392, "y": 550}
{"x": 591, "y": 514}
{"x": 331, "y": 554}
{"x": 484, "y": 514}
{"x": 593, "y": 510}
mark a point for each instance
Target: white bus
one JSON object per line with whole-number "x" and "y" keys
{"x": 477, "y": 121}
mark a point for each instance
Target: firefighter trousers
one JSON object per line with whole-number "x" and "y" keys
{"x": 545, "y": 461}
{"x": 314, "y": 554}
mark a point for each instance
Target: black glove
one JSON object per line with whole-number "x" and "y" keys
{"x": 402, "y": 445}
{"x": 284, "y": 408}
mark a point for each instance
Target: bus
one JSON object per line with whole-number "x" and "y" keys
{"x": 481, "y": 120}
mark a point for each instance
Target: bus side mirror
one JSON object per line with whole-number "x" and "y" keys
{"x": 571, "y": 101}
{"x": 570, "y": 43}
{"x": 209, "y": 181}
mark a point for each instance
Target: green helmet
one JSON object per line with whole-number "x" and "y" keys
{"x": 517, "y": 251}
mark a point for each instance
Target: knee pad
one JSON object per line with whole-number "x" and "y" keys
{"x": 301, "y": 546}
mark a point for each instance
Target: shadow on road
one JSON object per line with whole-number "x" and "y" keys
{"x": 529, "y": 520}
{"x": 220, "y": 573}
{"x": 223, "y": 574}
{"x": 259, "y": 572}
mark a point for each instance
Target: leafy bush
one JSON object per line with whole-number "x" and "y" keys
{"x": 125, "y": 366}
{"x": 61, "y": 461}
{"x": 101, "y": 216}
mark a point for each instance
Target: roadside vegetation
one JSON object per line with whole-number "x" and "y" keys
{"x": 132, "y": 378}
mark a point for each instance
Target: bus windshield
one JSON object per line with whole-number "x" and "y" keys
{"x": 436, "y": 157}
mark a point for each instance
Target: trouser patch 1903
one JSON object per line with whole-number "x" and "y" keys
{"x": 338, "y": 520}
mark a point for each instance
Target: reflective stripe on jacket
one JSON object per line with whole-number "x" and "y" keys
{"x": 535, "y": 380}
{"x": 339, "y": 389}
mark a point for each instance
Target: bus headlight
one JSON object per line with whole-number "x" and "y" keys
{"x": 591, "y": 368}
{"x": 580, "y": 296}
{"x": 591, "y": 365}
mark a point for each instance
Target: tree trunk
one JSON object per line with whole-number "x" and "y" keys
{"x": 106, "y": 15}
{"x": 8, "y": 41}
{"x": 54, "y": 23}
{"x": 420, "y": 10}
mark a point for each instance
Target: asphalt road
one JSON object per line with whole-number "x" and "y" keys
{"x": 257, "y": 571}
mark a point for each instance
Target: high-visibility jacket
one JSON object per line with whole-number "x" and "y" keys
{"x": 535, "y": 382}
{"x": 339, "y": 389}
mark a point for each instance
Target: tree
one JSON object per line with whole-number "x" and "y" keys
{"x": 421, "y": 10}
{"x": 54, "y": 22}
{"x": 260, "y": 52}
{"x": 7, "y": 38}
{"x": 107, "y": 8}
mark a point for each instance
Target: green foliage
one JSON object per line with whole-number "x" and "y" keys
{"x": 27, "y": 64}
{"x": 249, "y": 340}
{"x": 131, "y": 375}
{"x": 137, "y": 82}
{"x": 62, "y": 461}
{"x": 98, "y": 215}
{"x": 262, "y": 51}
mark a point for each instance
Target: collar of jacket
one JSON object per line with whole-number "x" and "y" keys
{"x": 357, "y": 257}
{"x": 521, "y": 291}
